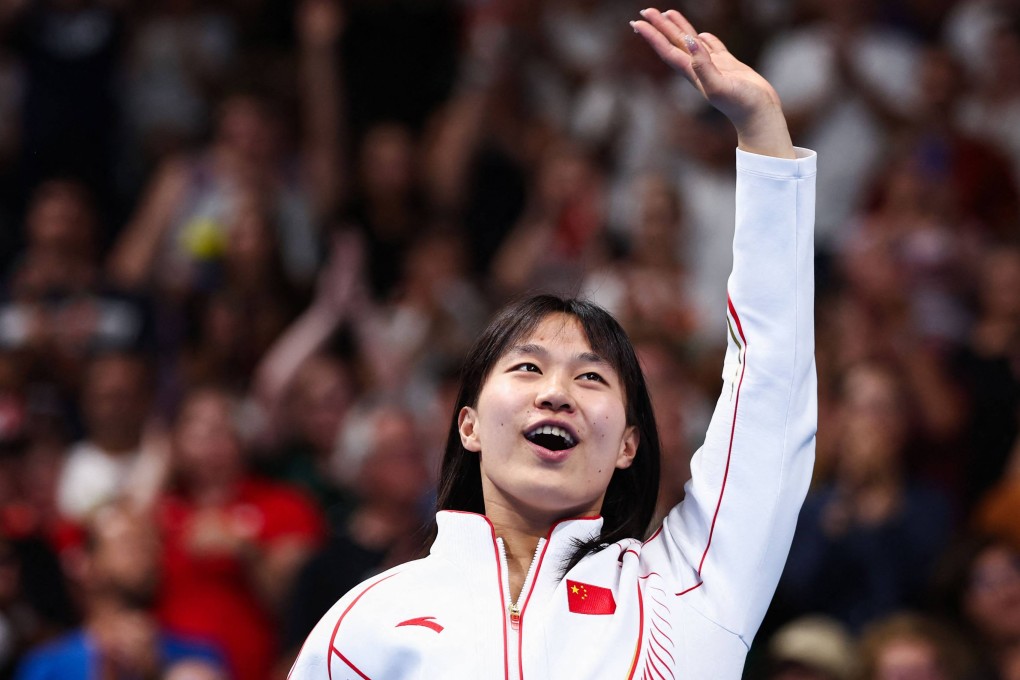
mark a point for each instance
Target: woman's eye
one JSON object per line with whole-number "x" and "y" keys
{"x": 527, "y": 368}
{"x": 592, "y": 375}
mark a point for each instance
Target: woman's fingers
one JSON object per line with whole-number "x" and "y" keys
{"x": 667, "y": 51}
{"x": 667, "y": 25}
{"x": 713, "y": 43}
{"x": 670, "y": 41}
{"x": 680, "y": 21}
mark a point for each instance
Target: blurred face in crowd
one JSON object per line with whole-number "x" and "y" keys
{"x": 432, "y": 264}
{"x": 320, "y": 396}
{"x": 387, "y": 161}
{"x": 874, "y": 273}
{"x": 60, "y": 219}
{"x": 247, "y": 127}
{"x": 992, "y": 596}
{"x": 908, "y": 658}
{"x": 206, "y": 440}
{"x": 124, "y": 557}
{"x": 874, "y": 420}
{"x": 60, "y": 232}
{"x": 565, "y": 174}
{"x": 115, "y": 400}
{"x": 394, "y": 469}
{"x": 658, "y": 220}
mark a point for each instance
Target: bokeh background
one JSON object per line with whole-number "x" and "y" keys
{"x": 244, "y": 245}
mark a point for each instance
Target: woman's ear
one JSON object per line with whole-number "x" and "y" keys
{"x": 628, "y": 447}
{"x": 466, "y": 421}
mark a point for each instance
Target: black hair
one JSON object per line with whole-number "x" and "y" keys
{"x": 630, "y": 499}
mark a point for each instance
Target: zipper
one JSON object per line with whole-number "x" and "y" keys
{"x": 514, "y": 608}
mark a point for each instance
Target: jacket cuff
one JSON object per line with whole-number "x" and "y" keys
{"x": 804, "y": 165}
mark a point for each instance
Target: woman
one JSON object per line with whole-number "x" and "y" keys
{"x": 551, "y": 469}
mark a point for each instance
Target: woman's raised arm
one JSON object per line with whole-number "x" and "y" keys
{"x": 726, "y": 543}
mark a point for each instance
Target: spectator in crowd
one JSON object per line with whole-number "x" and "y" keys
{"x": 561, "y": 232}
{"x": 56, "y": 306}
{"x": 447, "y": 144}
{"x": 977, "y": 178}
{"x": 646, "y": 287}
{"x": 867, "y": 538}
{"x": 979, "y": 589}
{"x": 183, "y": 220}
{"x": 33, "y": 448}
{"x": 383, "y": 461}
{"x": 180, "y": 51}
{"x": 907, "y": 645}
{"x": 232, "y": 542}
{"x": 304, "y": 434}
{"x": 302, "y": 393}
{"x": 991, "y": 112}
{"x": 812, "y": 648}
{"x": 386, "y": 207}
{"x": 434, "y": 314}
{"x": 243, "y": 302}
{"x": 120, "y": 637}
{"x": 113, "y": 460}
{"x": 843, "y": 78}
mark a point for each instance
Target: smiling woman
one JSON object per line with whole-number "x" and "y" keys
{"x": 551, "y": 468}
{"x": 567, "y": 365}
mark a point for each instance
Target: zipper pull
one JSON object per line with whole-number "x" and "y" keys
{"x": 515, "y": 616}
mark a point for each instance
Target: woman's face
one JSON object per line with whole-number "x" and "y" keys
{"x": 550, "y": 426}
{"x": 992, "y": 597}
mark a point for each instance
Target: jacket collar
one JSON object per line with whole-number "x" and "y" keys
{"x": 469, "y": 539}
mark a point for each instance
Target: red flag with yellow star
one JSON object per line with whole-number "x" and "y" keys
{"x": 584, "y": 598}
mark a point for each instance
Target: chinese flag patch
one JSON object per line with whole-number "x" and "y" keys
{"x": 583, "y": 598}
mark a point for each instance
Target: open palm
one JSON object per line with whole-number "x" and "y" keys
{"x": 731, "y": 86}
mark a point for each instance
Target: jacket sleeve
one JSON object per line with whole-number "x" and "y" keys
{"x": 727, "y": 542}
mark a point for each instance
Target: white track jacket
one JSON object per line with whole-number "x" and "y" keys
{"x": 683, "y": 604}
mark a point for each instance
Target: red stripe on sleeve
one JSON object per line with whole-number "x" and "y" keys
{"x": 733, "y": 428}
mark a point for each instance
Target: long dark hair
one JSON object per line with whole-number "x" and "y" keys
{"x": 632, "y": 493}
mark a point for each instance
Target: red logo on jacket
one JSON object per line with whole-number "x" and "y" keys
{"x": 583, "y": 598}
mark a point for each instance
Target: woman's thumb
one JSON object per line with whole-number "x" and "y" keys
{"x": 702, "y": 64}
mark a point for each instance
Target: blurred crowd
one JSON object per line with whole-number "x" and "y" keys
{"x": 245, "y": 243}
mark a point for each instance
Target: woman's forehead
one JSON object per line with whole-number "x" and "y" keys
{"x": 554, "y": 334}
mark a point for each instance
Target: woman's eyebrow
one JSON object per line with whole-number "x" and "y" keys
{"x": 532, "y": 349}
{"x": 591, "y": 358}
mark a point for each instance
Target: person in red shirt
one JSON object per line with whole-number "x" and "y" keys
{"x": 232, "y": 542}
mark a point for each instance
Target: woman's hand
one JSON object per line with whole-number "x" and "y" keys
{"x": 731, "y": 86}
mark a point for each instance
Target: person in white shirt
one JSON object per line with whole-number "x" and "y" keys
{"x": 551, "y": 470}
{"x": 111, "y": 461}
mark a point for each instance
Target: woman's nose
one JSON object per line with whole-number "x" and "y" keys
{"x": 554, "y": 395}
